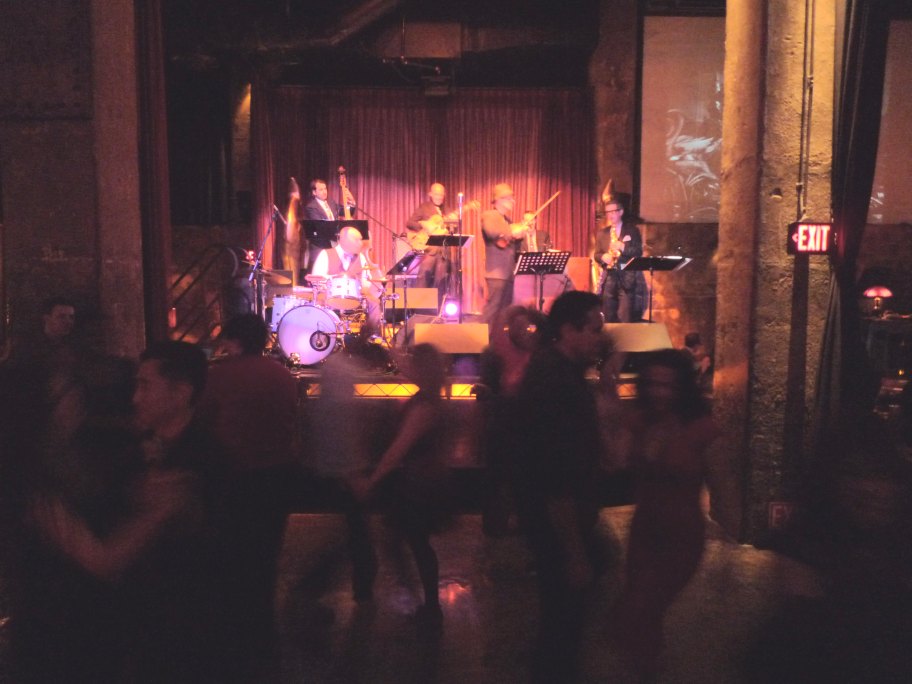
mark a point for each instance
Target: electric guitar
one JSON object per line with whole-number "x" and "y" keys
{"x": 436, "y": 225}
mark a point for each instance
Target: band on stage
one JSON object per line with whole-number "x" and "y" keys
{"x": 347, "y": 293}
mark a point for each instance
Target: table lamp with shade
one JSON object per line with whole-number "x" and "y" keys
{"x": 877, "y": 293}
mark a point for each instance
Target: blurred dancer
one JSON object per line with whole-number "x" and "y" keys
{"x": 338, "y": 454}
{"x": 411, "y": 479}
{"x": 558, "y": 483}
{"x": 515, "y": 336}
{"x": 671, "y": 432}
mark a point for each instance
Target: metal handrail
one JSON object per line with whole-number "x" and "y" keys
{"x": 202, "y": 266}
{"x": 216, "y": 251}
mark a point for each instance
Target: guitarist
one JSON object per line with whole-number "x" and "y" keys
{"x": 426, "y": 220}
{"x": 616, "y": 243}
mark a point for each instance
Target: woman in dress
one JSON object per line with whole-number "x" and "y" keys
{"x": 670, "y": 435}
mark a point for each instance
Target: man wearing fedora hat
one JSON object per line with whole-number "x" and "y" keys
{"x": 501, "y": 240}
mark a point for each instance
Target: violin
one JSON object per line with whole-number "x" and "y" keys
{"x": 518, "y": 230}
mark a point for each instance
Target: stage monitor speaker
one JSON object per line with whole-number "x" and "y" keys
{"x": 525, "y": 289}
{"x": 638, "y": 337}
{"x": 421, "y": 300}
{"x": 453, "y": 338}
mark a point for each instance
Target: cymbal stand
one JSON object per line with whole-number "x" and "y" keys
{"x": 256, "y": 273}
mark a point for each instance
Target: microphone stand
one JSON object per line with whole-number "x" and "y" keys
{"x": 393, "y": 234}
{"x": 256, "y": 274}
{"x": 394, "y": 260}
{"x": 459, "y": 199}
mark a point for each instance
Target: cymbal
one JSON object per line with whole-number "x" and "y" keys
{"x": 316, "y": 279}
{"x": 275, "y": 278}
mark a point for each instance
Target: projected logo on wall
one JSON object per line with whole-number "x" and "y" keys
{"x": 681, "y": 123}
{"x": 692, "y": 159}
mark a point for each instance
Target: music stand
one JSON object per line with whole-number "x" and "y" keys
{"x": 541, "y": 264}
{"x": 653, "y": 264}
{"x": 404, "y": 269}
{"x": 452, "y": 240}
{"x": 324, "y": 233}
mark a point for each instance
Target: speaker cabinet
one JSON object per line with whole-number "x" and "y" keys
{"x": 453, "y": 338}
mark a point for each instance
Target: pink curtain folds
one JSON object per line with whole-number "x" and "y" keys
{"x": 395, "y": 143}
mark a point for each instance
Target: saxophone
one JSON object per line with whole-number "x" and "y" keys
{"x": 613, "y": 254}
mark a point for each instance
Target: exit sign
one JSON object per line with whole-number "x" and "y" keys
{"x": 809, "y": 238}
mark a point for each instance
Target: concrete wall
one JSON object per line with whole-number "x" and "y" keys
{"x": 68, "y": 166}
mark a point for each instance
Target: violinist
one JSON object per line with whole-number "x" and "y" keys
{"x": 501, "y": 240}
{"x": 617, "y": 242}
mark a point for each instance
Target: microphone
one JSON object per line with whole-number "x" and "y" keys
{"x": 319, "y": 341}
{"x": 277, "y": 213}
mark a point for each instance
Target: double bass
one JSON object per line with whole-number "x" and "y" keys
{"x": 348, "y": 201}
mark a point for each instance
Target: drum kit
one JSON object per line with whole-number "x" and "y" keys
{"x": 321, "y": 318}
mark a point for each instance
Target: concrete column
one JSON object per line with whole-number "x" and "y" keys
{"x": 771, "y": 306}
{"x": 116, "y": 134}
{"x": 738, "y": 220}
{"x": 613, "y": 75}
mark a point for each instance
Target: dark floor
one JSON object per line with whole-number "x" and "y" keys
{"x": 487, "y": 589}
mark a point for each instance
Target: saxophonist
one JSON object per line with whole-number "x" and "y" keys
{"x": 617, "y": 242}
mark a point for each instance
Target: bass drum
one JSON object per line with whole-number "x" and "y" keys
{"x": 308, "y": 334}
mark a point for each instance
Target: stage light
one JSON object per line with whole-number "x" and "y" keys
{"x": 451, "y": 309}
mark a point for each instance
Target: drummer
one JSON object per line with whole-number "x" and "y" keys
{"x": 348, "y": 260}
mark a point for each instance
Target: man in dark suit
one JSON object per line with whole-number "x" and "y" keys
{"x": 321, "y": 208}
{"x": 616, "y": 243}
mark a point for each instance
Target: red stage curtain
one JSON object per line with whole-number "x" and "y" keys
{"x": 395, "y": 143}
{"x": 262, "y": 147}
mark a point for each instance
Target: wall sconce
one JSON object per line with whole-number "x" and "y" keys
{"x": 877, "y": 293}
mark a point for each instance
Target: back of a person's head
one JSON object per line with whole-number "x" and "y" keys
{"x": 48, "y": 305}
{"x": 180, "y": 362}
{"x": 571, "y": 308}
{"x": 689, "y": 400}
{"x": 692, "y": 339}
{"x": 249, "y": 331}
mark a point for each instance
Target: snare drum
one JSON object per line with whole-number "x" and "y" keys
{"x": 344, "y": 293}
{"x": 309, "y": 334}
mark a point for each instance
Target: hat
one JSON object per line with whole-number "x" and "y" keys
{"x": 502, "y": 190}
